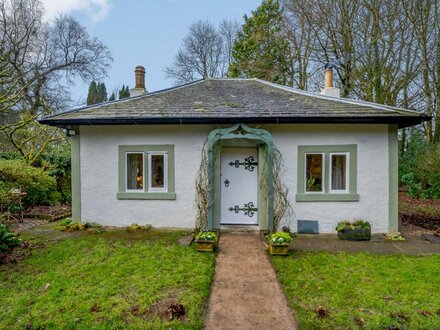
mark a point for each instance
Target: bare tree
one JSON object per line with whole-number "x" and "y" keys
{"x": 387, "y": 51}
{"x": 228, "y": 31}
{"x": 201, "y": 55}
{"x": 42, "y": 60}
{"x": 302, "y": 40}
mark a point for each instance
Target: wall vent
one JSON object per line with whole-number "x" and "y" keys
{"x": 308, "y": 227}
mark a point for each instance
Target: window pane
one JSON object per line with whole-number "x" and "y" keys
{"x": 339, "y": 164}
{"x": 157, "y": 171}
{"x": 314, "y": 172}
{"x": 135, "y": 171}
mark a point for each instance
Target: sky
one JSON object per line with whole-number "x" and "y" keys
{"x": 147, "y": 32}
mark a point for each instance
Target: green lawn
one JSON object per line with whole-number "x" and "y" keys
{"x": 110, "y": 280}
{"x": 362, "y": 290}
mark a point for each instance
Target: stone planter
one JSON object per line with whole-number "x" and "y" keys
{"x": 204, "y": 246}
{"x": 356, "y": 234}
{"x": 279, "y": 249}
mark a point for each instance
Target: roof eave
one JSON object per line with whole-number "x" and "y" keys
{"x": 401, "y": 121}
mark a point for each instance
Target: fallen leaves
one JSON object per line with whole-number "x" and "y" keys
{"x": 94, "y": 308}
{"x": 359, "y": 321}
{"x": 321, "y": 312}
{"x": 424, "y": 312}
{"x": 400, "y": 317}
{"x": 135, "y": 310}
{"x": 175, "y": 311}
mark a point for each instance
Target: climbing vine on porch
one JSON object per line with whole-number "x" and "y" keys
{"x": 283, "y": 213}
{"x": 202, "y": 189}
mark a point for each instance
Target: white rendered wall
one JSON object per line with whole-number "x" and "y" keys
{"x": 99, "y": 173}
{"x": 372, "y": 172}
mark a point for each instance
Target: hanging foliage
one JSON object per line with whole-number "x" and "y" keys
{"x": 202, "y": 195}
{"x": 283, "y": 213}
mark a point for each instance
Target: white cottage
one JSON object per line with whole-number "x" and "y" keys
{"x": 136, "y": 160}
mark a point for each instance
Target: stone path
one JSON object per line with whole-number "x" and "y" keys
{"x": 413, "y": 245}
{"x": 246, "y": 293}
{"x": 19, "y": 227}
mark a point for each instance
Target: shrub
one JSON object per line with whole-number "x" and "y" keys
{"x": 57, "y": 163}
{"x": 347, "y": 225}
{"x": 66, "y": 222}
{"x": 280, "y": 238}
{"x": 8, "y": 239}
{"x": 419, "y": 168}
{"x": 135, "y": 227}
{"x": 39, "y": 186}
{"x": 428, "y": 168}
{"x": 207, "y": 236}
{"x": 77, "y": 226}
{"x": 92, "y": 225}
{"x": 68, "y": 226}
{"x": 394, "y": 237}
{"x": 412, "y": 183}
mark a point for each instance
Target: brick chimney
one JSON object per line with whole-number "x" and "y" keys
{"x": 139, "y": 88}
{"x": 329, "y": 90}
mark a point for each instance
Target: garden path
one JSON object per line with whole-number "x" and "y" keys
{"x": 246, "y": 293}
{"x": 413, "y": 245}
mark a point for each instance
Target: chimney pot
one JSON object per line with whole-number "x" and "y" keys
{"x": 328, "y": 78}
{"x": 329, "y": 90}
{"x": 139, "y": 87}
{"x": 140, "y": 77}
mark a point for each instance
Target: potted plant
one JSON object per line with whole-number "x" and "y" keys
{"x": 206, "y": 240}
{"x": 359, "y": 230}
{"x": 279, "y": 243}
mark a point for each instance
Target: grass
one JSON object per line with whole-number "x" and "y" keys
{"x": 362, "y": 291}
{"x": 110, "y": 280}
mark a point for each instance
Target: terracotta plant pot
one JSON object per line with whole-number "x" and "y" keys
{"x": 204, "y": 246}
{"x": 356, "y": 234}
{"x": 279, "y": 249}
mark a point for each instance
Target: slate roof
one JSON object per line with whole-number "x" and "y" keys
{"x": 223, "y": 100}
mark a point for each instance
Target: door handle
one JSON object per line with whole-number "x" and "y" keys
{"x": 227, "y": 182}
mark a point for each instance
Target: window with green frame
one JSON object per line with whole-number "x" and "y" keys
{"x": 327, "y": 173}
{"x": 146, "y": 172}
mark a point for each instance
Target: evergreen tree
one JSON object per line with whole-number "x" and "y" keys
{"x": 112, "y": 97}
{"x": 92, "y": 94}
{"x": 261, "y": 49}
{"x": 97, "y": 93}
{"x": 124, "y": 92}
{"x": 102, "y": 93}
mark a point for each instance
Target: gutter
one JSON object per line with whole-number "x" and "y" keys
{"x": 402, "y": 121}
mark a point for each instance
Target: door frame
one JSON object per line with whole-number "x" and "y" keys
{"x": 255, "y": 149}
{"x": 241, "y": 135}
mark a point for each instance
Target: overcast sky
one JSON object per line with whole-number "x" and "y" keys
{"x": 143, "y": 32}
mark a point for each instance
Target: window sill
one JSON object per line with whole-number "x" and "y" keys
{"x": 147, "y": 195}
{"x": 327, "y": 197}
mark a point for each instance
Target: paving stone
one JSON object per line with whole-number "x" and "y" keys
{"x": 432, "y": 238}
{"x": 185, "y": 240}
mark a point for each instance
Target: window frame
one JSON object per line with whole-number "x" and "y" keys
{"x": 323, "y": 176}
{"x": 126, "y": 172}
{"x": 328, "y": 195}
{"x": 165, "y": 172}
{"x": 123, "y": 193}
{"x": 347, "y": 173}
